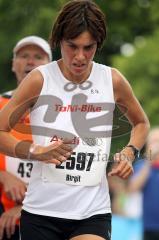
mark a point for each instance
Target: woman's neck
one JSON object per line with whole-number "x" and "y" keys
{"x": 77, "y": 79}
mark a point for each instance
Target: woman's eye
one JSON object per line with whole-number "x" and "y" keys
{"x": 72, "y": 46}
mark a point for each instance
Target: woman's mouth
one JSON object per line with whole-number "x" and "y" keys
{"x": 79, "y": 67}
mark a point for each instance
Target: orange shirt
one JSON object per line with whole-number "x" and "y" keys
{"x": 18, "y": 167}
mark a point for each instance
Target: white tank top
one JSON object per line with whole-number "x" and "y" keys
{"x": 78, "y": 188}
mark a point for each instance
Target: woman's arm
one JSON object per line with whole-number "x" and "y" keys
{"x": 23, "y": 98}
{"x": 125, "y": 97}
{"x": 128, "y": 103}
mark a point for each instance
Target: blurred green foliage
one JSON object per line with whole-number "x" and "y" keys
{"x": 134, "y": 22}
{"x": 19, "y": 18}
{"x": 142, "y": 70}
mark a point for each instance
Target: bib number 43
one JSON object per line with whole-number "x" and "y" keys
{"x": 24, "y": 169}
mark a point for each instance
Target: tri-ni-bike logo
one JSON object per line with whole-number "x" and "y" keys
{"x": 75, "y": 108}
{"x": 79, "y": 107}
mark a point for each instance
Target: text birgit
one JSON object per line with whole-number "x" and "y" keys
{"x": 70, "y": 178}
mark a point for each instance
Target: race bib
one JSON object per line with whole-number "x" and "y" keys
{"x": 81, "y": 168}
{"x": 19, "y": 168}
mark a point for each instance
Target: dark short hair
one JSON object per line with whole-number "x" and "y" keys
{"x": 76, "y": 17}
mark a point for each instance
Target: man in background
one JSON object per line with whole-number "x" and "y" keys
{"x": 146, "y": 179}
{"x": 29, "y": 53}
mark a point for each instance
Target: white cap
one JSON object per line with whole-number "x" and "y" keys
{"x": 38, "y": 41}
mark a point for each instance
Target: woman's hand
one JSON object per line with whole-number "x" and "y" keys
{"x": 56, "y": 152}
{"x": 123, "y": 163}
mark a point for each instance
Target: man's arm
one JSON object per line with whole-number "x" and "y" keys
{"x": 138, "y": 181}
{"x": 13, "y": 187}
{"x": 8, "y": 221}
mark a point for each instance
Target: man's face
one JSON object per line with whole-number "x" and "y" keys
{"x": 26, "y": 59}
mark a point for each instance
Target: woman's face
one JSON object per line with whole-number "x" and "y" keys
{"x": 77, "y": 55}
